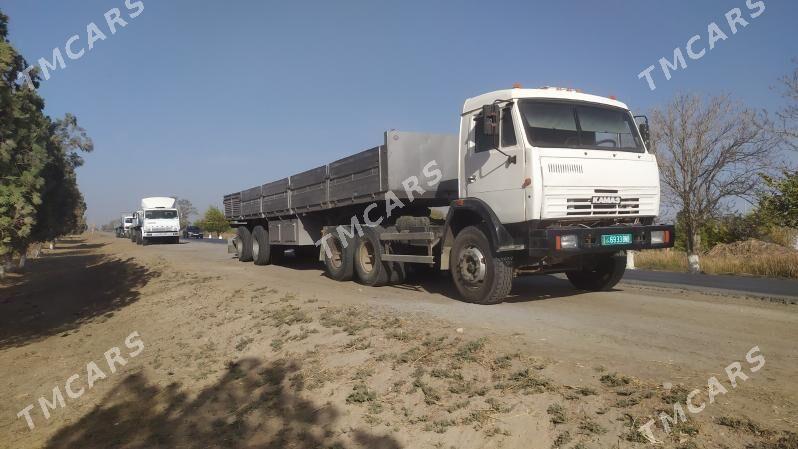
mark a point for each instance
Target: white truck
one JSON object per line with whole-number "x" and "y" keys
{"x": 157, "y": 220}
{"x": 126, "y": 224}
{"x": 546, "y": 180}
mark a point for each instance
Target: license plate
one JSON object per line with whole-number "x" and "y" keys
{"x": 616, "y": 239}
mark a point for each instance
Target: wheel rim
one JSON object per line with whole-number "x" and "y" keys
{"x": 255, "y": 248}
{"x": 336, "y": 253}
{"x": 471, "y": 266}
{"x": 366, "y": 256}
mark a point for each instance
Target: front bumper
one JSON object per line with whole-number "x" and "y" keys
{"x": 161, "y": 234}
{"x": 545, "y": 242}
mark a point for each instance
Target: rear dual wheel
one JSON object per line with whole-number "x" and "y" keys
{"x": 338, "y": 257}
{"x": 244, "y": 247}
{"x": 261, "y": 247}
{"x": 370, "y": 268}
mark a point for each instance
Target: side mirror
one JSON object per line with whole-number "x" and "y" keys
{"x": 645, "y": 134}
{"x": 490, "y": 120}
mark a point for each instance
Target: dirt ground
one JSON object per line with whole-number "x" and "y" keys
{"x": 240, "y": 356}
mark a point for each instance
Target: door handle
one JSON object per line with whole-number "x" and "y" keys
{"x": 470, "y": 179}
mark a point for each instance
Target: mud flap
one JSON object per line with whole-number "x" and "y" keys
{"x": 232, "y": 247}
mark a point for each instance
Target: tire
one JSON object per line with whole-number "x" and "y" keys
{"x": 244, "y": 244}
{"x": 261, "y": 248}
{"x": 176, "y": 240}
{"x": 603, "y": 275}
{"x": 480, "y": 276}
{"x": 370, "y": 268}
{"x": 340, "y": 266}
{"x": 145, "y": 241}
{"x": 139, "y": 238}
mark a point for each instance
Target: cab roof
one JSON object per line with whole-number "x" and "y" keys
{"x": 553, "y": 93}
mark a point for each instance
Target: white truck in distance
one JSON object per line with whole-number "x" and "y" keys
{"x": 158, "y": 220}
{"x": 125, "y": 224}
{"x": 538, "y": 181}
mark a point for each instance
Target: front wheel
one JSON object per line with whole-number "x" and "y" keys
{"x": 600, "y": 274}
{"x": 480, "y": 276}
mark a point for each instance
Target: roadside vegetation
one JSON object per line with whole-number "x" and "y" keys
{"x": 39, "y": 196}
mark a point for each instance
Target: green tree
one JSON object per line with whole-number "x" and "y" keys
{"x": 24, "y": 131}
{"x": 39, "y": 196}
{"x": 62, "y": 208}
{"x": 213, "y": 221}
{"x": 779, "y": 205}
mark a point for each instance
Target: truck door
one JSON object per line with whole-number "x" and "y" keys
{"x": 490, "y": 174}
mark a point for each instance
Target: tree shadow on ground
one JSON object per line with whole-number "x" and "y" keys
{"x": 59, "y": 292}
{"x": 252, "y": 406}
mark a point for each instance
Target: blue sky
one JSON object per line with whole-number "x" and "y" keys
{"x": 198, "y": 101}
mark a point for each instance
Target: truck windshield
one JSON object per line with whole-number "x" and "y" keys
{"x": 579, "y": 125}
{"x": 128, "y": 220}
{"x": 158, "y": 214}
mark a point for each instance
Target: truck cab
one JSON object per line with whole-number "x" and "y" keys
{"x": 557, "y": 155}
{"x": 158, "y": 220}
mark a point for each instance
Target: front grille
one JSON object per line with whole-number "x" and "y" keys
{"x": 584, "y": 207}
{"x": 573, "y": 202}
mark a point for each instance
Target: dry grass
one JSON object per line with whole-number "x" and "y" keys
{"x": 774, "y": 265}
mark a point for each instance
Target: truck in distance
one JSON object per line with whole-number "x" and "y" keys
{"x": 538, "y": 181}
{"x": 157, "y": 221}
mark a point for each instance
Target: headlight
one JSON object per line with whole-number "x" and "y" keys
{"x": 568, "y": 241}
{"x": 659, "y": 237}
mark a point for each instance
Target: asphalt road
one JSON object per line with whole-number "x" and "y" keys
{"x": 778, "y": 289}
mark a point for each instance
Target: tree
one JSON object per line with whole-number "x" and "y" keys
{"x": 186, "y": 210}
{"x": 779, "y": 205}
{"x": 213, "y": 221}
{"x": 785, "y": 125}
{"x": 709, "y": 151}
{"x": 23, "y": 140}
{"x": 39, "y": 196}
{"x": 62, "y": 208}
{"x": 779, "y": 202}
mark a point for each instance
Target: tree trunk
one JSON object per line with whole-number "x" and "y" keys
{"x": 6, "y": 266}
{"x": 694, "y": 245}
{"x": 22, "y": 259}
{"x": 630, "y": 260}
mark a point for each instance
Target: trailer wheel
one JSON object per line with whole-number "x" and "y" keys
{"x": 604, "y": 274}
{"x": 370, "y": 268}
{"x": 245, "y": 244}
{"x": 479, "y": 275}
{"x": 338, "y": 262}
{"x": 261, "y": 248}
